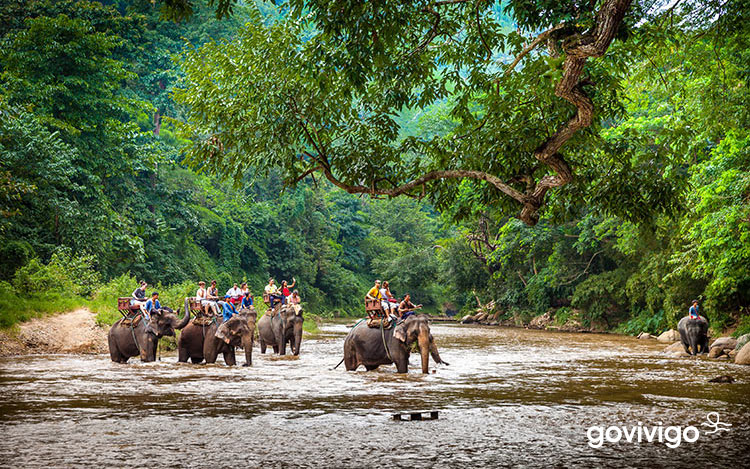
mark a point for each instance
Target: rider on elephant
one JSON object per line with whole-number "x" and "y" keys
{"x": 152, "y": 303}
{"x": 274, "y": 295}
{"x": 247, "y": 300}
{"x": 227, "y": 309}
{"x": 406, "y": 308}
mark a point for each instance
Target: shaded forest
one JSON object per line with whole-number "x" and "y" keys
{"x": 108, "y": 173}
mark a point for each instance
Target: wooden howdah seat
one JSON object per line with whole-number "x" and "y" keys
{"x": 125, "y": 308}
{"x": 194, "y": 305}
{"x": 374, "y": 309}
{"x": 376, "y": 316}
{"x": 267, "y": 299}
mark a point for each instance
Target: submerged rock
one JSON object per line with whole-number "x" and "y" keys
{"x": 722, "y": 379}
{"x": 645, "y": 335}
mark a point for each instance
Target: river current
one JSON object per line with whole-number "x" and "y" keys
{"x": 510, "y": 398}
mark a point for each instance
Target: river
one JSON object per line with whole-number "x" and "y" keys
{"x": 510, "y": 398}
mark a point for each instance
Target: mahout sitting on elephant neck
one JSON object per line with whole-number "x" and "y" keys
{"x": 206, "y": 340}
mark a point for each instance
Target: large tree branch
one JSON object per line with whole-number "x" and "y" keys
{"x": 532, "y": 45}
{"x": 570, "y": 88}
{"x": 407, "y": 188}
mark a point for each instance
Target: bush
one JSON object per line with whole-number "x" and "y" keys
{"x": 743, "y": 326}
{"x": 644, "y": 321}
{"x": 14, "y": 255}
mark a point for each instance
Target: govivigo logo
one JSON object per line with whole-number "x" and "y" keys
{"x": 672, "y": 436}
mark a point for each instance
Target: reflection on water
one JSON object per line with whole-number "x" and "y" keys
{"x": 511, "y": 397}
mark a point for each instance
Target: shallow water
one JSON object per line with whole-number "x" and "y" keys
{"x": 510, "y": 397}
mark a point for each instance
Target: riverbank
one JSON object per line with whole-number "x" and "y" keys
{"x": 71, "y": 332}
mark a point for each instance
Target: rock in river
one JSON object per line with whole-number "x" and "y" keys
{"x": 743, "y": 356}
{"x": 669, "y": 336}
{"x": 721, "y": 346}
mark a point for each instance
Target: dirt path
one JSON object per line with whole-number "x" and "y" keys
{"x": 74, "y": 332}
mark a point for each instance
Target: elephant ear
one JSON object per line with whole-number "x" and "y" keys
{"x": 400, "y": 332}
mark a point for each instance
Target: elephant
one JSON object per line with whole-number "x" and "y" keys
{"x": 278, "y": 328}
{"x": 128, "y": 340}
{"x": 694, "y": 334}
{"x": 198, "y": 342}
{"x": 372, "y": 347}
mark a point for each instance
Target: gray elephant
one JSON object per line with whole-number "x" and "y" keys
{"x": 694, "y": 334}
{"x": 206, "y": 340}
{"x": 139, "y": 337}
{"x": 278, "y": 329}
{"x": 372, "y": 347}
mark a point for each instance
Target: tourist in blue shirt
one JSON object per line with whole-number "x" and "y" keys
{"x": 152, "y": 303}
{"x": 247, "y": 300}
{"x": 693, "y": 311}
{"x": 227, "y": 309}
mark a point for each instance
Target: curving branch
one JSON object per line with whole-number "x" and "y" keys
{"x": 532, "y": 45}
{"x": 570, "y": 88}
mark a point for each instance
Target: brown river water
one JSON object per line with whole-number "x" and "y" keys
{"x": 510, "y": 398}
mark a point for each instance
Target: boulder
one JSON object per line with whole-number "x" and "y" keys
{"x": 675, "y": 347}
{"x": 732, "y": 354}
{"x": 669, "y": 336}
{"x": 541, "y": 322}
{"x": 743, "y": 356}
{"x": 741, "y": 341}
{"x": 721, "y": 346}
{"x": 645, "y": 335}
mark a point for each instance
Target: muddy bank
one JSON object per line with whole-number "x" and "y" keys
{"x": 73, "y": 332}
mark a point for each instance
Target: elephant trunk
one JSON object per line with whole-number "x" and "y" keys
{"x": 247, "y": 345}
{"x": 297, "y": 338}
{"x": 424, "y": 349}
{"x": 185, "y": 320}
{"x": 435, "y": 354}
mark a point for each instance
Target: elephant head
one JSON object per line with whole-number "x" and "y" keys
{"x": 417, "y": 329}
{"x": 164, "y": 321}
{"x": 290, "y": 328}
{"x": 237, "y": 330}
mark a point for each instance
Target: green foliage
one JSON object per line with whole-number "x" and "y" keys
{"x": 644, "y": 321}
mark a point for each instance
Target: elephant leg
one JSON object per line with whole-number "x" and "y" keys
{"x": 196, "y": 360}
{"x": 282, "y": 346}
{"x": 229, "y": 357}
{"x": 114, "y": 352}
{"x": 182, "y": 355}
{"x": 276, "y": 349}
{"x": 402, "y": 365}
{"x": 262, "y": 345}
{"x": 371, "y": 367}
{"x": 210, "y": 350}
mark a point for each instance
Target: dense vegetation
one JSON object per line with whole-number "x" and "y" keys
{"x": 135, "y": 147}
